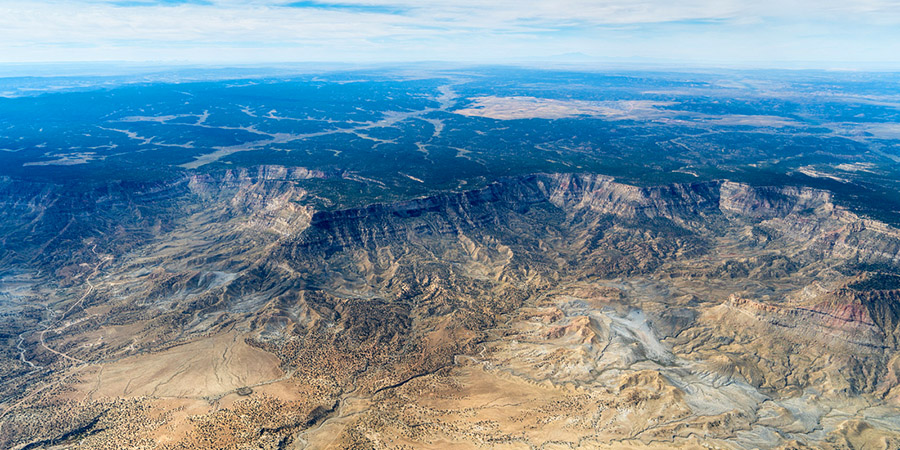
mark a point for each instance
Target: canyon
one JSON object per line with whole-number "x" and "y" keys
{"x": 234, "y": 309}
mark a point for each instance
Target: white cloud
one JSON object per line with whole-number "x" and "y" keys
{"x": 230, "y": 30}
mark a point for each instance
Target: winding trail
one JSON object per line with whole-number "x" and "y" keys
{"x": 22, "y": 351}
{"x": 90, "y": 289}
{"x": 79, "y": 363}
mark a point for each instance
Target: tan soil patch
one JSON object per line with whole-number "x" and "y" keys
{"x": 206, "y": 367}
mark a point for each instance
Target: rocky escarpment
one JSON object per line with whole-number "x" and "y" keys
{"x": 446, "y": 214}
{"x": 771, "y": 202}
{"x": 801, "y": 214}
{"x": 678, "y": 202}
{"x": 46, "y": 224}
{"x": 271, "y": 197}
{"x": 572, "y": 195}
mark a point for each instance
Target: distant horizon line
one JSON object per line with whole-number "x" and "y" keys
{"x": 550, "y": 63}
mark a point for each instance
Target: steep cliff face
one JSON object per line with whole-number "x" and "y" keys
{"x": 772, "y": 202}
{"x": 572, "y": 195}
{"x": 270, "y": 196}
{"x": 439, "y": 214}
{"x": 679, "y": 202}
{"x": 806, "y": 216}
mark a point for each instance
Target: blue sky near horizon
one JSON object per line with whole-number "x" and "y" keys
{"x": 766, "y": 33}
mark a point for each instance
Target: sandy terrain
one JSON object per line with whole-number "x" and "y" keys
{"x": 208, "y": 367}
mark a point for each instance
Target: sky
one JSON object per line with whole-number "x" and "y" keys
{"x": 839, "y": 34}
